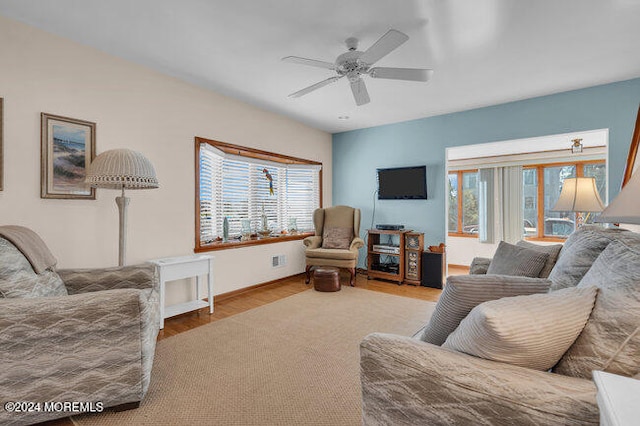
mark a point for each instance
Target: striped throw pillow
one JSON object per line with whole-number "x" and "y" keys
{"x": 552, "y": 250}
{"x": 530, "y": 331}
{"x": 519, "y": 261}
{"x": 462, "y": 293}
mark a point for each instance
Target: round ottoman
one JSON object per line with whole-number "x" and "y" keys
{"x": 326, "y": 278}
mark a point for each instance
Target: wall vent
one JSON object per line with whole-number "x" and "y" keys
{"x": 278, "y": 261}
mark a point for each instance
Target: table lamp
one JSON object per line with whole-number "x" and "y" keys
{"x": 579, "y": 195}
{"x": 625, "y": 208}
{"x": 121, "y": 169}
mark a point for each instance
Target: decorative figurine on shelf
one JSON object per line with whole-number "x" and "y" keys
{"x": 246, "y": 230}
{"x": 225, "y": 229}
{"x": 265, "y": 232}
{"x": 293, "y": 225}
{"x": 270, "y": 179}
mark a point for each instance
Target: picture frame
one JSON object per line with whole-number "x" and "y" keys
{"x": 68, "y": 146}
{"x": 632, "y": 159}
{"x": 1, "y": 146}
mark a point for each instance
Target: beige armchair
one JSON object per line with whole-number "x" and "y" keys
{"x": 336, "y": 240}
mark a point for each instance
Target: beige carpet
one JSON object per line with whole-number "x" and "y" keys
{"x": 292, "y": 362}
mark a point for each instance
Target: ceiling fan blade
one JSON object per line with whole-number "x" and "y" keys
{"x": 309, "y": 62}
{"x": 360, "y": 93}
{"x": 314, "y": 87}
{"x": 411, "y": 74}
{"x": 385, "y": 45}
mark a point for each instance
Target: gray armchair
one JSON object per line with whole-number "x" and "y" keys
{"x": 92, "y": 339}
{"x": 336, "y": 241}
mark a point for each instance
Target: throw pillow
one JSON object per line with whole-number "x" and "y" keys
{"x": 552, "y": 251}
{"x": 462, "y": 293}
{"x": 479, "y": 265}
{"x": 615, "y": 317}
{"x": 19, "y": 280}
{"x": 578, "y": 254}
{"x": 529, "y": 331}
{"x": 337, "y": 238}
{"x": 519, "y": 261}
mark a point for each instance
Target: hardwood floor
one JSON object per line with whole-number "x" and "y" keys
{"x": 226, "y": 306}
{"x": 237, "y": 303}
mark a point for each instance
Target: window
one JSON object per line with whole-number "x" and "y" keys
{"x": 245, "y": 185}
{"x": 541, "y": 188}
{"x": 463, "y": 203}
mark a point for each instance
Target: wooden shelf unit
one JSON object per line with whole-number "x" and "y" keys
{"x": 373, "y": 257}
{"x": 414, "y": 246}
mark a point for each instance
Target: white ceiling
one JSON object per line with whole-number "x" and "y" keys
{"x": 483, "y": 52}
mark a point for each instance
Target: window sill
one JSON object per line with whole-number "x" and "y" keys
{"x": 547, "y": 239}
{"x": 460, "y": 234}
{"x": 219, "y": 245}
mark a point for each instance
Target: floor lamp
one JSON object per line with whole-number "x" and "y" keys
{"x": 121, "y": 169}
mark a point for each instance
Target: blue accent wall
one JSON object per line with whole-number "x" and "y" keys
{"x": 358, "y": 153}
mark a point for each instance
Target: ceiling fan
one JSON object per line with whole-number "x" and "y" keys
{"x": 354, "y": 64}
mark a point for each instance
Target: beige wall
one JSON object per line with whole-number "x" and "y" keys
{"x": 139, "y": 109}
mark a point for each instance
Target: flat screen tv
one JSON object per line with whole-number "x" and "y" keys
{"x": 402, "y": 183}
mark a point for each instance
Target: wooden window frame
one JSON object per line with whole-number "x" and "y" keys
{"x": 459, "y": 232}
{"x": 579, "y": 165}
{"x": 250, "y": 153}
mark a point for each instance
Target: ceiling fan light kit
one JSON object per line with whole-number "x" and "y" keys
{"x": 353, "y": 64}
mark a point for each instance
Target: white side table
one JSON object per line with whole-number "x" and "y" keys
{"x": 618, "y": 399}
{"x": 176, "y": 268}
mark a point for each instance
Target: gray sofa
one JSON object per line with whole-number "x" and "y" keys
{"x": 84, "y": 335}
{"x": 407, "y": 381}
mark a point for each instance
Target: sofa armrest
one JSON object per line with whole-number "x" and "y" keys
{"x": 139, "y": 276}
{"x": 479, "y": 265}
{"x": 356, "y": 244}
{"x": 407, "y": 382}
{"x": 312, "y": 242}
{"x": 84, "y": 347}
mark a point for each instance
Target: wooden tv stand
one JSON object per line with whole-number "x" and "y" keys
{"x": 376, "y": 260}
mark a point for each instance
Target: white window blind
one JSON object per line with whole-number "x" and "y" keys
{"x": 237, "y": 187}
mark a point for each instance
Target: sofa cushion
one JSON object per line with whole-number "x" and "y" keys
{"x": 18, "y": 279}
{"x": 337, "y": 238}
{"x": 462, "y": 293}
{"x": 615, "y": 316}
{"x": 338, "y": 254}
{"x": 578, "y": 254}
{"x": 552, "y": 250}
{"x": 530, "y": 331}
{"x": 338, "y": 217}
{"x": 519, "y": 261}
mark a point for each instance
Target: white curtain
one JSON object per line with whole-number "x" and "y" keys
{"x": 486, "y": 202}
{"x": 510, "y": 198}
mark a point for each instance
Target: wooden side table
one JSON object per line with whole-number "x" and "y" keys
{"x": 177, "y": 268}
{"x": 618, "y": 399}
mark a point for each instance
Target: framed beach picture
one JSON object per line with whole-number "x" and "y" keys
{"x": 1, "y": 157}
{"x": 68, "y": 147}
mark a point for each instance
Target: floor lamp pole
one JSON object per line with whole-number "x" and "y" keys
{"x": 122, "y": 203}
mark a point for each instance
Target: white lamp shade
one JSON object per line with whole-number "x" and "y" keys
{"x": 625, "y": 208}
{"x": 579, "y": 195}
{"x": 121, "y": 168}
